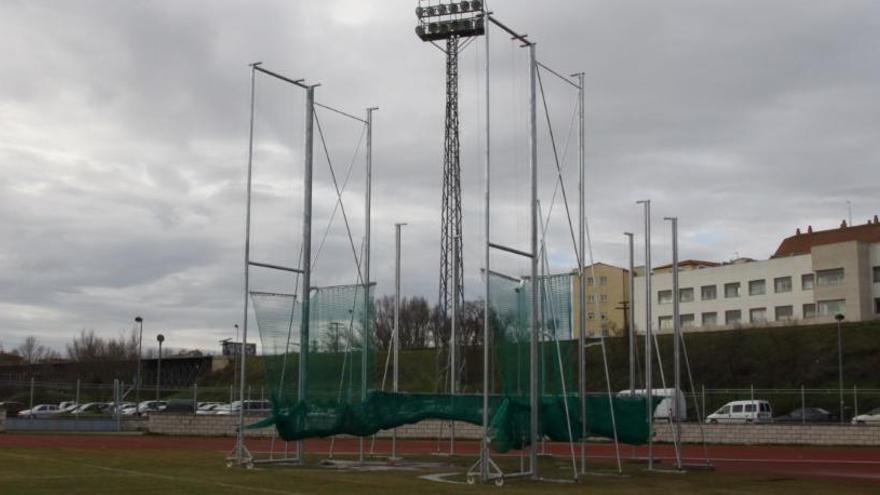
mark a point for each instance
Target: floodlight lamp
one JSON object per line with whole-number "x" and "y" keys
{"x": 441, "y": 9}
{"x": 453, "y": 8}
{"x": 430, "y": 11}
{"x": 476, "y": 5}
{"x": 419, "y": 11}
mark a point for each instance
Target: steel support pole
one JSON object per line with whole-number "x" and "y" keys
{"x": 582, "y": 274}
{"x": 159, "y": 372}
{"x": 242, "y": 456}
{"x": 676, "y": 346}
{"x": 839, "y": 318}
{"x": 396, "y": 336}
{"x": 484, "y": 445}
{"x": 140, "y": 321}
{"x": 630, "y": 308}
{"x": 649, "y": 348}
{"x": 365, "y": 338}
{"x": 533, "y": 348}
{"x": 306, "y": 254}
{"x": 453, "y": 339}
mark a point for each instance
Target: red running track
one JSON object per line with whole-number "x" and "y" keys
{"x": 852, "y": 463}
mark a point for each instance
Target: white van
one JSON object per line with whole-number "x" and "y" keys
{"x": 742, "y": 411}
{"x": 663, "y": 411}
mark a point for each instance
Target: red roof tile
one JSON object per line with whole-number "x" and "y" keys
{"x": 803, "y": 243}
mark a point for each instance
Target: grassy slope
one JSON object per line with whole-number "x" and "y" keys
{"x": 40, "y": 471}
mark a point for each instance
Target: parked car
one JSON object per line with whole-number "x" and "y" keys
{"x": 112, "y": 407}
{"x": 806, "y": 415}
{"x": 180, "y": 406}
{"x": 90, "y": 408}
{"x": 67, "y": 406}
{"x": 872, "y": 416}
{"x": 742, "y": 411}
{"x": 210, "y": 408}
{"x": 149, "y": 406}
{"x": 128, "y": 409}
{"x": 39, "y": 411}
{"x": 11, "y": 408}
{"x": 663, "y": 410}
{"x": 250, "y": 406}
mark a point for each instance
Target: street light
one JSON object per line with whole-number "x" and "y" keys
{"x": 140, "y": 322}
{"x": 160, "y": 338}
{"x": 839, "y": 317}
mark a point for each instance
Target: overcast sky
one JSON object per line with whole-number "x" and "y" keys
{"x": 124, "y": 125}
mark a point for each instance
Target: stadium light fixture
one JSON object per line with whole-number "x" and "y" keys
{"x": 448, "y": 19}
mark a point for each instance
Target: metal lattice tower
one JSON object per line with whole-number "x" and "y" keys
{"x": 451, "y": 279}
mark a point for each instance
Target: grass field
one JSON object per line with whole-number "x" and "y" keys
{"x": 157, "y": 471}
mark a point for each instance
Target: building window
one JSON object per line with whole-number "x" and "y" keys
{"x": 589, "y": 281}
{"x": 731, "y": 290}
{"x": 807, "y": 281}
{"x": 686, "y": 295}
{"x": 832, "y": 307}
{"x": 757, "y": 287}
{"x": 782, "y": 284}
{"x": 732, "y": 317}
{"x": 589, "y": 316}
{"x": 603, "y": 298}
{"x": 784, "y": 313}
{"x": 710, "y": 319}
{"x": 809, "y": 311}
{"x": 825, "y": 278}
{"x": 877, "y": 305}
{"x": 758, "y": 315}
{"x": 665, "y": 322}
{"x": 687, "y": 321}
{"x": 877, "y": 274}
{"x": 664, "y": 297}
{"x": 708, "y": 292}
{"x": 591, "y": 298}
{"x": 603, "y": 280}
{"x": 603, "y": 316}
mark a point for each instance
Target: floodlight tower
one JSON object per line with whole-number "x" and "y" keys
{"x": 451, "y": 21}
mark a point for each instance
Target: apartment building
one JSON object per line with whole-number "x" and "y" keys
{"x": 811, "y": 277}
{"x": 607, "y": 298}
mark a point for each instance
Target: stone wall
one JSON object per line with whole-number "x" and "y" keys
{"x": 775, "y": 434}
{"x": 756, "y": 434}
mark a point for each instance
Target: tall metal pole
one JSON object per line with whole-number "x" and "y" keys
{"x": 676, "y": 355}
{"x": 533, "y": 354}
{"x": 453, "y": 339}
{"x": 396, "y": 336}
{"x": 839, "y": 318}
{"x": 241, "y": 454}
{"x": 582, "y": 282}
{"x": 630, "y": 309}
{"x": 161, "y": 339}
{"x": 649, "y": 391}
{"x": 366, "y": 265}
{"x": 306, "y": 255}
{"x": 484, "y": 445}
{"x": 137, "y": 393}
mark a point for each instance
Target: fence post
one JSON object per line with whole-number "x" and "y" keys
{"x": 752, "y": 391}
{"x": 230, "y": 394}
{"x": 248, "y": 395}
{"x": 31, "y": 406}
{"x": 76, "y": 416}
{"x": 195, "y": 397}
{"x": 703, "y": 398}
{"x": 803, "y": 406}
{"x": 116, "y": 403}
{"x": 855, "y": 401}
{"x": 262, "y": 398}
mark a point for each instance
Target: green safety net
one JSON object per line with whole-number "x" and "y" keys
{"x": 341, "y": 397}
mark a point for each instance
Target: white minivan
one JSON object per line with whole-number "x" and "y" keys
{"x": 742, "y": 411}
{"x": 663, "y": 410}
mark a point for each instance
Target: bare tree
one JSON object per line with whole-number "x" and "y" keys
{"x": 33, "y": 352}
{"x": 88, "y": 346}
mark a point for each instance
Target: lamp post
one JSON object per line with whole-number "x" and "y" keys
{"x": 160, "y": 338}
{"x": 839, "y": 317}
{"x": 137, "y": 393}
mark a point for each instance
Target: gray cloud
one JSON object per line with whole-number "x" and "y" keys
{"x": 123, "y": 140}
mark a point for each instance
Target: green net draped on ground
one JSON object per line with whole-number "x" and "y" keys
{"x": 340, "y": 393}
